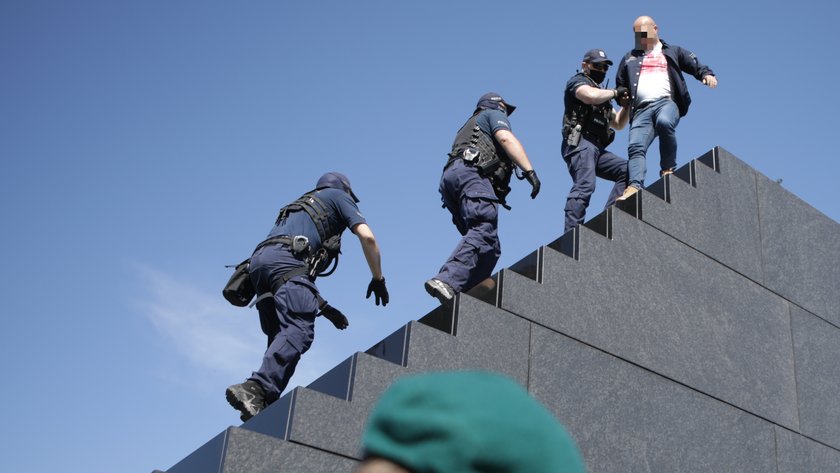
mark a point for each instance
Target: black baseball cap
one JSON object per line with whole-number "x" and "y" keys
{"x": 596, "y": 56}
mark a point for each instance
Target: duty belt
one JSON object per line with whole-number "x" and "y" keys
{"x": 594, "y": 138}
{"x": 285, "y": 277}
{"x": 278, "y": 240}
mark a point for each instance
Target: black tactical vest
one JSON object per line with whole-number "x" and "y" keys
{"x": 593, "y": 119}
{"x": 479, "y": 149}
{"x": 317, "y": 210}
{"x": 330, "y": 236}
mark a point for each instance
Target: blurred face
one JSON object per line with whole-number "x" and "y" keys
{"x": 646, "y": 34}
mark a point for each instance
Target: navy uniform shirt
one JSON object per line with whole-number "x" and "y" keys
{"x": 491, "y": 121}
{"x": 343, "y": 213}
{"x": 570, "y": 101}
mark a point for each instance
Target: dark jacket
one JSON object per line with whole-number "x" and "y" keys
{"x": 679, "y": 60}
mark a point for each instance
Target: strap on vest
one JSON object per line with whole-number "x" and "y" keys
{"x": 284, "y": 278}
{"x": 315, "y": 208}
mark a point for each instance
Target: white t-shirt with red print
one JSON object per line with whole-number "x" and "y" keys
{"x": 653, "y": 77}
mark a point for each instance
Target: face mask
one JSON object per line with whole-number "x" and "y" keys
{"x": 597, "y": 76}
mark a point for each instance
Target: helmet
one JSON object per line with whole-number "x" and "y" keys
{"x": 494, "y": 101}
{"x": 336, "y": 180}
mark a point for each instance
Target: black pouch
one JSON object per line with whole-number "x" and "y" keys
{"x": 325, "y": 256}
{"x": 239, "y": 291}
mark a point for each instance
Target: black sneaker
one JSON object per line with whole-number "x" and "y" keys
{"x": 440, "y": 290}
{"x": 247, "y": 398}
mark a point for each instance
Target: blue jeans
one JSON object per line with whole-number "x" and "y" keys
{"x": 586, "y": 161}
{"x": 657, "y": 119}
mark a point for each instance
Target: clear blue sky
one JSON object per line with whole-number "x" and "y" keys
{"x": 145, "y": 145}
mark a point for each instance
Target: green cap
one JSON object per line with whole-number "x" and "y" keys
{"x": 468, "y": 421}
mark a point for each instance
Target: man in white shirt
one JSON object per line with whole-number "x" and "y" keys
{"x": 652, "y": 72}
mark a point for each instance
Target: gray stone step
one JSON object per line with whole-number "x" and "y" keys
{"x": 721, "y": 216}
{"x": 329, "y": 414}
{"x": 668, "y": 308}
{"x": 242, "y": 451}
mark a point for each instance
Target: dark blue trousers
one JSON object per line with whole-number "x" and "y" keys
{"x": 586, "y": 161}
{"x": 474, "y": 208}
{"x": 287, "y": 319}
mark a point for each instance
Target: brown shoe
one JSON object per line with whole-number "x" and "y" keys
{"x": 628, "y": 192}
{"x": 665, "y": 172}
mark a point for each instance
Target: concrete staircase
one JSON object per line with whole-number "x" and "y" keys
{"x": 694, "y": 327}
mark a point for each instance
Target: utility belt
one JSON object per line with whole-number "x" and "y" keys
{"x": 239, "y": 290}
{"x": 595, "y": 133}
{"x": 472, "y": 156}
{"x": 599, "y": 139}
{"x": 497, "y": 169}
{"x": 299, "y": 247}
{"x": 316, "y": 261}
{"x": 297, "y": 244}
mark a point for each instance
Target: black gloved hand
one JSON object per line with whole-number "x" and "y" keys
{"x": 377, "y": 287}
{"x": 622, "y": 95}
{"x": 532, "y": 178}
{"x": 335, "y": 316}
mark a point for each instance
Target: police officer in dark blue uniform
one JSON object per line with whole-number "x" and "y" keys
{"x": 283, "y": 268}
{"x": 475, "y": 181}
{"x": 587, "y": 130}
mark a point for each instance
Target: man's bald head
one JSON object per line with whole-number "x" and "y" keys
{"x": 646, "y": 33}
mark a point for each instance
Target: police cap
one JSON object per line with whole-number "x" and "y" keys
{"x": 494, "y": 101}
{"x": 596, "y": 56}
{"x": 336, "y": 180}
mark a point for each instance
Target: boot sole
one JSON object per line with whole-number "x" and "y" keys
{"x": 239, "y": 405}
{"x": 435, "y": 293}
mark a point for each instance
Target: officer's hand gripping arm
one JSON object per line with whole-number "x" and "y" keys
{"x": 622, "y": 95}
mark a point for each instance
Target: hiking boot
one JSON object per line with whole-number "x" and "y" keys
{"x": 247, "y": 398}
{"x": 665, "y": 172}
{"x": 439, "y": 289}
{"x": 628, "y": 192}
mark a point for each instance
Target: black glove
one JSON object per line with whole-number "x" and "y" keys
{"x": 622, "y": 95}
{"x": 335, "y": 316}
{"x": 377, "y": 287}
{"x": 532, "y": 178}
